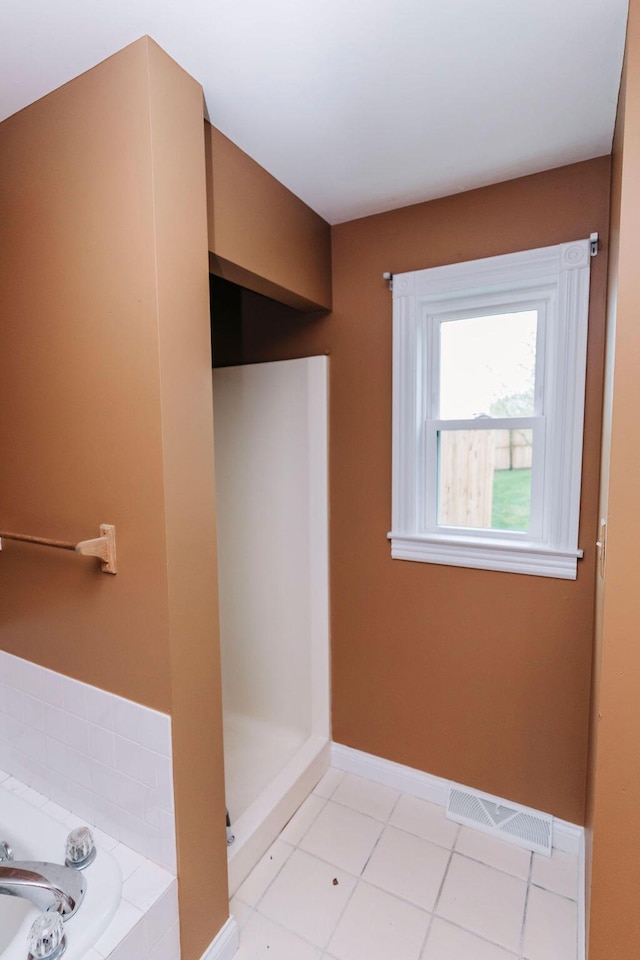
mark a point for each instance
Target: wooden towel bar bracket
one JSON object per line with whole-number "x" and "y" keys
{"x": 102, "y": 547}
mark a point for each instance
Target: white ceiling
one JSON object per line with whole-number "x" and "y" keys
{"x": 358, "y": 106}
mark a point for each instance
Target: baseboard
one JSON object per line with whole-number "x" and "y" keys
{"x": 567, "y": 837}
{"x": 396, "y": 775}
{"x": 226, "y": 943}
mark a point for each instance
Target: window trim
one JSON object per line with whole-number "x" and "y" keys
{"x": 555, "y": 279}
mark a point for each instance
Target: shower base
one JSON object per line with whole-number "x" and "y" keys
{"x": 269, "y": 771}
{"x": 255, "y": 751}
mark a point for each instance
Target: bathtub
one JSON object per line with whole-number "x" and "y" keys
{"x": 33, "y": 835}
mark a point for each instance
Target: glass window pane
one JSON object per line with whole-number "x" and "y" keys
{"x": 484, "y": 478}
{"x": 487, "y": 366}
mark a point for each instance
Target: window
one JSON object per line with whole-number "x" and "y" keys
{"x": 488, "y": 403}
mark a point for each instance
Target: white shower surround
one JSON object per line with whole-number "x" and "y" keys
{"x": 272, "y": 496}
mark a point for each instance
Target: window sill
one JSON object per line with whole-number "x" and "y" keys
{"x": 486, "y": 554}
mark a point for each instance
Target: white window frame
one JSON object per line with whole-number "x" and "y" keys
{"x": 555, "y": 282}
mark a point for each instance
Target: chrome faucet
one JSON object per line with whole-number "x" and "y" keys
{"x": 50, "y": 886}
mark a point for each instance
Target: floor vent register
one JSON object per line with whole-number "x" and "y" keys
{"x": 510, "y": 821}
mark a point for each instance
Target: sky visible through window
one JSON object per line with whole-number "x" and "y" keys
{"x": 487, "y": 366}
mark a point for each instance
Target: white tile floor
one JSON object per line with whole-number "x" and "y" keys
{"x": 363, "y": 872}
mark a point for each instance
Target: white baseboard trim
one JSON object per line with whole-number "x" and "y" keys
{"x": 396, "y": 775}
{"x": 567, "y": 837}
{"x": 225, "y": 944}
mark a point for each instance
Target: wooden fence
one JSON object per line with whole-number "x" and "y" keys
{"x": 468, "y": 461}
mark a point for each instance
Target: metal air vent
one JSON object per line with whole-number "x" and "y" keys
{"x": 510, "y": 821}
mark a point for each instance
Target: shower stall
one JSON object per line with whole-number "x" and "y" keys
{"x": 271, "y": 491}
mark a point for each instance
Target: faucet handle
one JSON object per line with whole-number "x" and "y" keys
{"x": 6, "y": 853}
{"x": 81, "y": 850}
{"x": 46, "y": 937}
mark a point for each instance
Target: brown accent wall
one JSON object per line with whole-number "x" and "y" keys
{"x": 261, "y": 235}
{"x": 614, "y": 777}
{"x": 105, "y": 416}
{"x": 186, "y": 416}
{"x": 472, "y": 675}
{"x": 80, "y": 428}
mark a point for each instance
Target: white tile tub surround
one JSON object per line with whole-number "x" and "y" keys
{"x": 105, "y": 758}
{"x": 145, "y": 926}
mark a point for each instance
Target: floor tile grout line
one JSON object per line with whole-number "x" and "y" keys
{"x": 492, "y": 866}
{"x": 455, "y": 923}
{"x": 482, "y": 863}
{"x": 343, "y": 803}
{"x": 360, "y": 878}
{"x": 401, "y": 796}
{"x": 389, "y": 893}
{"x": 440, "y": 843}
{"x": 373, "y": 850}
{"x": 241, "y": 926}
{"x": 336, "y": 786}
{"x": 394, "y": 826}
{"x": 274, "y": 877}
{"x": 288, "y": 843}
{"x": 328, "y": 863}
{"x": 478, "y": 936}
{"x": 384, "y": 824}
{"x": 348, "y": 806}
{"x": 325, "y": 948}
{"x": 243, "y": 902}
{"x": 282, "y": 926}
{"x": 322, "y": 948}
{"x": 395, "y": 805}
{"x": 324, "y": 805}
{"x": 438, "y": 895}
{"x": 563, "y": 896}
{"x": 387, "y": 823}
{"x": 339, "y": 866}
{"x": 526, "y": 907}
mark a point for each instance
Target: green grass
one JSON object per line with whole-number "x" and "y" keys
{"x": 511, "y": 499}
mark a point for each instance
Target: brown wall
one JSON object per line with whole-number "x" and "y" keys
{"x": 476, "y": 676}
{"x": 105, "y": 416}
{"x": 186, "y": 411}
{"x": 615, "y": 768}
{"x": 260, "y": 234}
{"x": 80, "y": 428}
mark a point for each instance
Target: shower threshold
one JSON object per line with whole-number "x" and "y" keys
{"x": 257, "y": 828}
